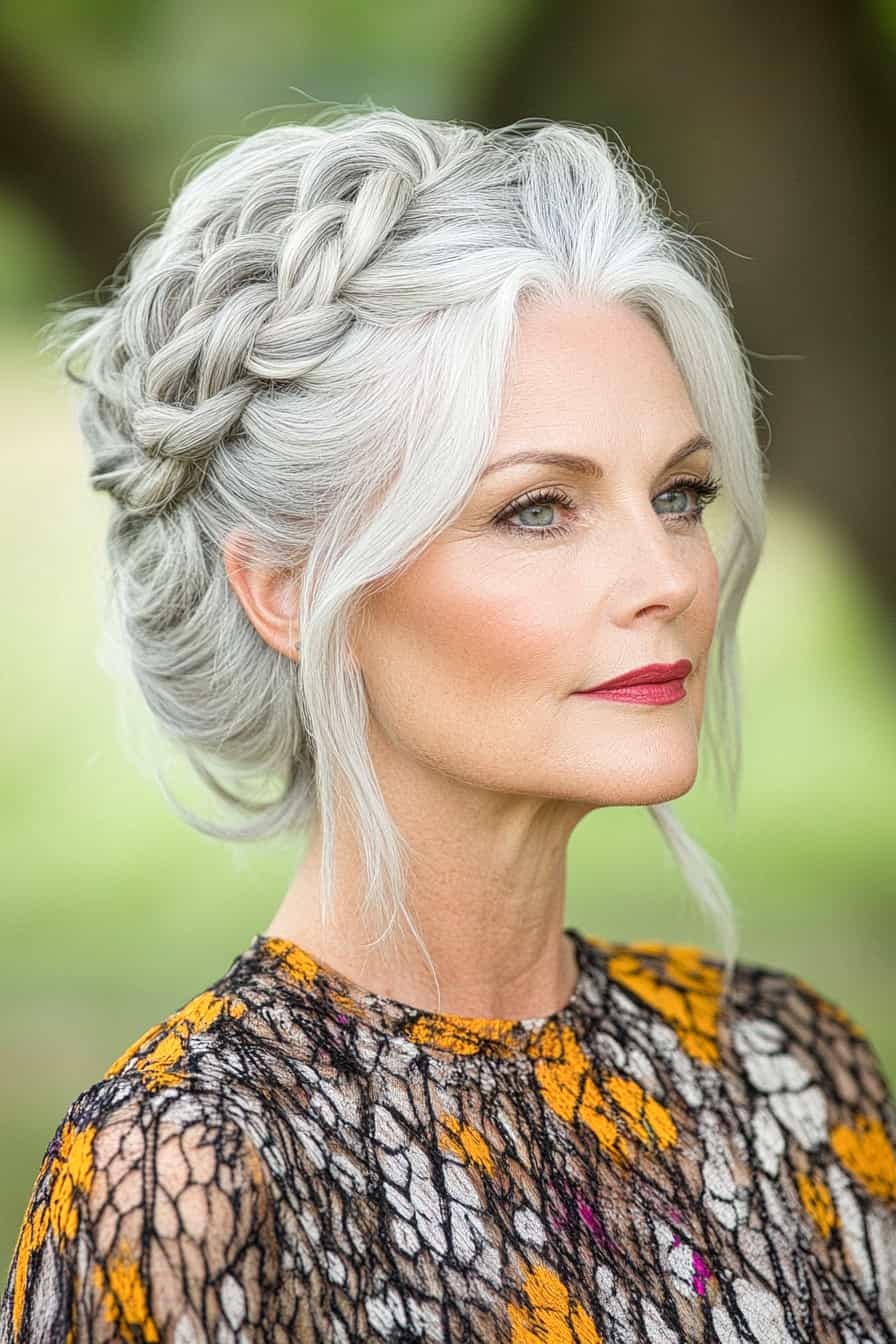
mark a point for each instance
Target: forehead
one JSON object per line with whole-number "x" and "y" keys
{"x": 597, "y": 363}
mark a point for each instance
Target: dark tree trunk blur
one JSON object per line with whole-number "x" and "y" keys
{"x": 70, "y": 178}
{"x": 771, "y": 126}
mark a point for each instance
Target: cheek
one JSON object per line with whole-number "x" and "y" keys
{"x": 461, "y": 629}
{"x": 708, "y": 600}
{"x": 703, "y": 616}
{"x": 455, "y": 659}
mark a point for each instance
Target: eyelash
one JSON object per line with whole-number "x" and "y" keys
{"x": 706, "y": 491}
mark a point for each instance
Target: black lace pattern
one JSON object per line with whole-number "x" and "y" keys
{"x": 289, "y": 1157}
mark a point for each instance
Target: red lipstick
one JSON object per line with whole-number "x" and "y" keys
{"x": 655, "y": 684}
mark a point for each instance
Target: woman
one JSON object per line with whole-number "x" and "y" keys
{"x": 409, "y": 429}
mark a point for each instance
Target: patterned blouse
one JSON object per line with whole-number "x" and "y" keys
{"x": 289, "y": 1157}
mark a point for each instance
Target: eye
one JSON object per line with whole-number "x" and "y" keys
{"x": 704, "y": 491}
{"x": 536, "y": 499}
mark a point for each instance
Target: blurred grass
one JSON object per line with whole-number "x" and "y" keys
{"x": 115, "y": 913}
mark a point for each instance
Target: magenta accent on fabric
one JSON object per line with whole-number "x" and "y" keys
{"x": 702, "y": 1273}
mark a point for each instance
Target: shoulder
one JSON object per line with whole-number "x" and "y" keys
{"x": 805, "y": 1067}
{"x": 812, "y": 1067}
{"x": 143, "y": 1200}
{"x": 188, "y": 1045}
{"x": 777, "y": 1015}
{"x": 667, "y": 975}
{"x": 766, "y": 1021}
{"x": 789, "y": 1104}
{"x": 153, "y": 1190}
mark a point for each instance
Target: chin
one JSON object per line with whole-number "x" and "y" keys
{"x": 667, "y": 795}
{"x": 646, "y": 790}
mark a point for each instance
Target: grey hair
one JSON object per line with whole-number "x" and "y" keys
{"x": 308, "y": 359}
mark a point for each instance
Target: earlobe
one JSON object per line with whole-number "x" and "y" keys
{"x": 266, "y": 595}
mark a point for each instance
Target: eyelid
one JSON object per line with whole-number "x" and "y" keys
{"x": 680, "y": 476}
{"x": 522, "y": 501}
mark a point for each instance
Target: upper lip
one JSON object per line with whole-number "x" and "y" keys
{"x": 652, "y": 672}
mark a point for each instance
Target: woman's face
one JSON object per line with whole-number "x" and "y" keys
{"x": 473, "y": 656}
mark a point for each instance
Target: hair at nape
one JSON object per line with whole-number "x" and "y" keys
{"x": 309, "y": 353}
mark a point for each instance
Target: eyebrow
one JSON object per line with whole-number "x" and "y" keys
{"x": 587, "y": 465}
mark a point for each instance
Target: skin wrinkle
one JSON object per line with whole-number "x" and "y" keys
{"x": 485, "y": 757}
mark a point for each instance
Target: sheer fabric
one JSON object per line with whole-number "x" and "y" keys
{"x": 288, "y": 1157}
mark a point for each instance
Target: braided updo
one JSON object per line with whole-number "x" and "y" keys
{"x": 307, "y": 360}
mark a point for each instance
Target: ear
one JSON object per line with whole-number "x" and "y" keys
{"x": 268, "y": 596}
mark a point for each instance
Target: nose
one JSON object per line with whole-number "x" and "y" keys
{"x": 659, "y": 568}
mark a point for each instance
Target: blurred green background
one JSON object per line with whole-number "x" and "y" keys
{"x": 772, "y": 133}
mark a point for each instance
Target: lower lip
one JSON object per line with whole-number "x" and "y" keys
{"x": 649, "y": 693}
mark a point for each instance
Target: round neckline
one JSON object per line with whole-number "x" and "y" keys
{"x": 347, "y": 1001}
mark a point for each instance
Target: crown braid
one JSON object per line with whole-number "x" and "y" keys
{"x": 264, "y": 299}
